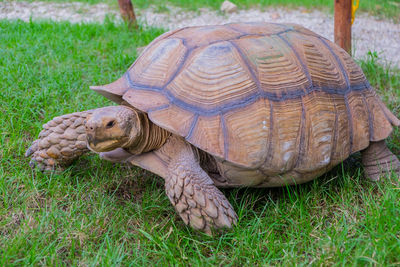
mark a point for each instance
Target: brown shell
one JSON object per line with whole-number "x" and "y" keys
{"x": 276, "y": 97}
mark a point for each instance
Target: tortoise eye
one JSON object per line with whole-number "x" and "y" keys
{"x": 110, "y": 124}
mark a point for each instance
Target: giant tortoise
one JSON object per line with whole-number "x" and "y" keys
{"x": 235, "y": 105}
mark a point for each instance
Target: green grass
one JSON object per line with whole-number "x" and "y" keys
{"x": 98, "y": 213}
{"x": 382, "y": 8}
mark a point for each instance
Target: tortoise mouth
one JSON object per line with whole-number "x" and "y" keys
{"x": 102, "y": 146}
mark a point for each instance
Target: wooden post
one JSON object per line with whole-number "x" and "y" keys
{"x": 127, "y": 12}
{"x": 343, "y": 24}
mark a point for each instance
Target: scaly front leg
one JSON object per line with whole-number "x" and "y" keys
{"x": 62, "y": 140}
{"x": 193, "y": 193}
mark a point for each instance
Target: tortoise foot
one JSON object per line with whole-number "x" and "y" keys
{"x": 40, "y": 159}
{"x": 199, "y": 203}
{"x": 195, "y": 197}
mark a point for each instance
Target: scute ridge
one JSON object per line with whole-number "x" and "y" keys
{"x": 346, "y": 100}
{"x": 302, "y": 133}
{"x": 182, "y": 63}
{"x": 335, "y": 130}
{"x": 249, "y": 69}
{"x": 226, "y": 139}
{"x": 350, "y": 122}
{"x": 303, "y": 65}
{"x": 339, "y": 62}
{"x": 276, "y": 66}
{"x": 370, "y": 119}
{"x": 192, "y": 126}
{"x": 322, "y": 71}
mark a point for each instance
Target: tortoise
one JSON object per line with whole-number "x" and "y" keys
{"x": 234, "y": 105}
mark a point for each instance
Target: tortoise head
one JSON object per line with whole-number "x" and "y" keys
{"x": 112, "y": 127}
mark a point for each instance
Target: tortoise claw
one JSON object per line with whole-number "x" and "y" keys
{"x": 32, "y": 149}
{"x": 35, "y": 164}
{"x": 30, "y": 152}
{"x": 44, "y": 166}
{"x": 32, "y": 163}
{"x": 41, "y": 164}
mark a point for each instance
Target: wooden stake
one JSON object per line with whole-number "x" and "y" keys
{"x": 343, "y": 24}
{"x": 127, "y": 12}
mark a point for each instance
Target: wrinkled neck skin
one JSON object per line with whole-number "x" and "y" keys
{"x": 148, "y": 138}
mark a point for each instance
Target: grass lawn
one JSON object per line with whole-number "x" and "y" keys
{"x": 98, "y": 213}
{"x": 381, "y": 8}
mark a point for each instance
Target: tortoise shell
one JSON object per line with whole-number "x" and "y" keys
{"x": 258, "y": 95}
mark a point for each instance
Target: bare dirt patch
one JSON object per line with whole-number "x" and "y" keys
{"x": 74, "y": 12}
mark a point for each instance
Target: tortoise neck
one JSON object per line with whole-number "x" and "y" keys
{"x": 156, "y": 136}
{"x": 149, "y": 137}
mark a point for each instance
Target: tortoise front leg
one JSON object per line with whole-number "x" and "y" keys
{"x": 194, "y": 195}
{"x": 189, "y": 188}
{"x": 62, "y": 140}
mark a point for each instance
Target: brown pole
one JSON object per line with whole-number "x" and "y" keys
{"x": 127, "y": 12}
{"x": 343, "y": 24}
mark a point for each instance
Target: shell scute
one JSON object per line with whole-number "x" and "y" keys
{"x": 259, "y": 28}
{"x": 213, "y": 77}
{"x": 201, "y": 36}
{"x": 380, "y": 124}
{"x": 174, "y": 119}
{"x": 159, "y": 64}
{"x": 360, "y": 123}
{"x": 145, "y": 100}
{"x": 350, "y": 68}
{"x": 248, "y": 132}
{"x": 341, "y": 143}
{"x": 276, "y": 66}
{"x": 208, "y": 133}
{"x": 300, "y": 29}
{"x": 319, "y": 131}
{"x": 286, "y": 136}
{"x": 317, "y": 61}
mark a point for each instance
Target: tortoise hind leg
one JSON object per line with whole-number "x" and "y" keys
{"x": 378, "y": 160}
